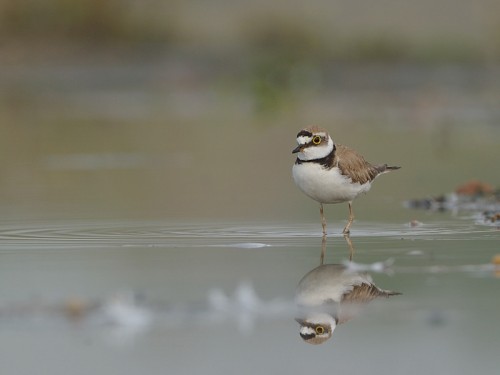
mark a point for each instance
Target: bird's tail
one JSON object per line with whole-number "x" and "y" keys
{"x": 391, "y": 168}
{"x": 384, "y": 168}
{"x": 389, "y": 293}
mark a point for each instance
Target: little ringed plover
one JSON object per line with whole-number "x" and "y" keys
{"x": 332, "y": 173}
{"x": 330, "y": 295}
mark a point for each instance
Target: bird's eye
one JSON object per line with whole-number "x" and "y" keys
{"x": 319, "y": 330}
{"x": 316, "y": 139}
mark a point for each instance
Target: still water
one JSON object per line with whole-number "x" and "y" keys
{"x": 152, "y": 225}
{"x": 119, "y": 297}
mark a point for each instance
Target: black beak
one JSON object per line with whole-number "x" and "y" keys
{"x": 297, "y": 149}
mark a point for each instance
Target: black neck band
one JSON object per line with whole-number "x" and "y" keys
{"x": 326, "y": 162}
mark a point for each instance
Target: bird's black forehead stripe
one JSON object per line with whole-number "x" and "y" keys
{"x": 307, "y": 336}
{"x": 304, "y": 133}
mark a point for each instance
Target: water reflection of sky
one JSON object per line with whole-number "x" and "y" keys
{"x": 149, "y": 219}
{"x": 123, "y": 287}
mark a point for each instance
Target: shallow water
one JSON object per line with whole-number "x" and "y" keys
{"x": 118, "y": 297}
{"x": 197, "y": 269}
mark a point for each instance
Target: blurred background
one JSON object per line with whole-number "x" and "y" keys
{"x": 145, "y": 148}
{"x": 190, "y": 108}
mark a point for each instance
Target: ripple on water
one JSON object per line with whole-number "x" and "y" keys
{"x": 74, "y": 234}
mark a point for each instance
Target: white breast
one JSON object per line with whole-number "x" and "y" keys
{"x": 328, "y": 283}
{"x": 326, "y": 185}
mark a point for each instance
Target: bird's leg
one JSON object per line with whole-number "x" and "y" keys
{"x": 349, "y": 221}
{"x": 351, "y": 246}
{"x": 323, "y": 220}
{"x": 323, "y": 250}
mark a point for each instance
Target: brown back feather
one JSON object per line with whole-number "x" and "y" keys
{"x": 353, "y": 165}
{"x": 353, "y": 301}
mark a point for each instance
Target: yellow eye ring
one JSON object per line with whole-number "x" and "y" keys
{"x": 319, "y": 330}
{"x": 316, "y": 140}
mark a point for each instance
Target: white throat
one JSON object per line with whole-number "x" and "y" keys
{"x": 321, "y": 318}
{"x": 314, "y": 152}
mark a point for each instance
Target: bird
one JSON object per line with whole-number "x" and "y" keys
{"x": 330, "y": 295}
{"x": 329, "y": 172}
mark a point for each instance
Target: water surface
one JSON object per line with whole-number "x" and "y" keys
{"x": 152, "y": 225}
{"x": 157, "y": 296}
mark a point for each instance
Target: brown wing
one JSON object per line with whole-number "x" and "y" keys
{"x": 364, "y": 293}
{"x": 352, "y": 302}
{"x": 353, "y": 165}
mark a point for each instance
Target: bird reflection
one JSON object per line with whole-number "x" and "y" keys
{"x": 347, "y": 238}
{"x": 330, "y": 295}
